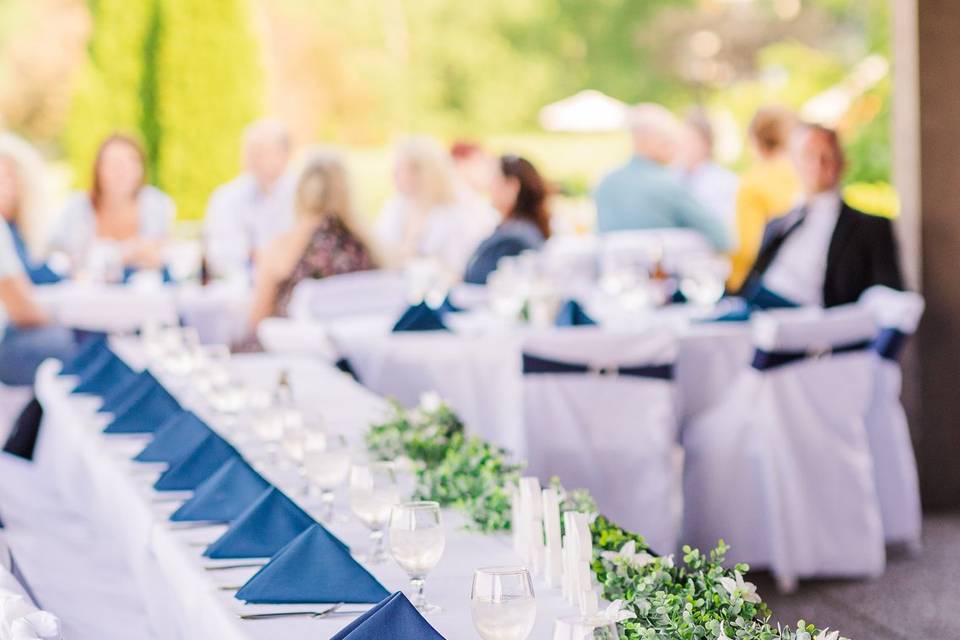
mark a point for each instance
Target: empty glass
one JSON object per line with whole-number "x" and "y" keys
{"x": 416, "y": 543}
{"x": 326, "y": 462}
{"x": 373, "y": 492}
{"x": 503, "y": 603}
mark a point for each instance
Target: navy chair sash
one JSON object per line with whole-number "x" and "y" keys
{"x": 536, "y": 364}
{"x": 889, "y": 343}
{"x": 766, "y": 360}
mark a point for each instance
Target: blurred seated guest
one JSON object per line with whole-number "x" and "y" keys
{"x": 715, "y": 187}
{"x": 824, "y": 252}
{"x": 322, "y": 242}
{"x": 30, "y": 337}
{"x": 120, "y": 209}
{"x": 768, "y": 189}
{"x": 246, "y": 213}
{"x": 520, "y": 195}
{"x": 21, "y": 203}
{"x": 428, "y": 218}
{"x": 644, "y": 193}
{"x": 474, "y": 167}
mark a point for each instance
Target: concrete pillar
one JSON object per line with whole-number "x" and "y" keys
{"x": 937, "y": 46}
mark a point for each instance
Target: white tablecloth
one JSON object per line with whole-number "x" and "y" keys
{"x": 183, "y": 598}
{"x": 219, "y": 311}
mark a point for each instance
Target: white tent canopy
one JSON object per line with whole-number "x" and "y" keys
{"x": 587, "y": 111}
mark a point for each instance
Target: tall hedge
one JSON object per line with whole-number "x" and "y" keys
{"x": 107, "y": 90}
{"x": 184, "y": 75}
{"x": 209, "y": 86}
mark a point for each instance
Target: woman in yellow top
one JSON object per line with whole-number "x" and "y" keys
{"x": 767, "y": 189}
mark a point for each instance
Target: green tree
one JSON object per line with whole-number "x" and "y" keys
{"x": 183, "y": 75}
{"x": 107, "y": 91}
{"x": 208, "y": 87}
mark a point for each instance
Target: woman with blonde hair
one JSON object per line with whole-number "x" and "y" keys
{"x": 428, "y": 217}
{"x": 323, "y": 241}
{"x": 22, "y": 204}
{"x": 767, "y": 189}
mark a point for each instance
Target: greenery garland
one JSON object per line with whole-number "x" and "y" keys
{"x": 660, "y": 599}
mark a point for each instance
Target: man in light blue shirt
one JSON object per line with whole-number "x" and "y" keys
{"x": 645, "y": 193}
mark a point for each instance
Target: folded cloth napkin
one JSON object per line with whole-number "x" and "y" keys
{"x": 103, "y": 374}
{"x": 117, "y": 399}
{"x": 224, "y": 495}
{"x": 39, "y": 625}
{"x": 395, "y": 617}
{"x": 571, "y": 314}
{"x": 264, "y": 528}
{"x": 420, "y": 317}
{"x": 173, "y": 440}
{"x": 741, "y": 309}
{"x": 315, "y": 567}
{"x": 88, "y": 351}
{"x": 201, "y": 463}
{"x": 146, "y": 414}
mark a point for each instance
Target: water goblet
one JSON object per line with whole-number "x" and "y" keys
{"x": 503, "y": 603}
{"x": 416, "y": 543}
{"x": 373, "y": 492}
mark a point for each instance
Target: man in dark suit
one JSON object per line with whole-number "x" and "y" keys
{"x": 824, "y": 252}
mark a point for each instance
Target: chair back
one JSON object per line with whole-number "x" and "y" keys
{"x": 359, "y": 293}
{"x": 598, "y": 404}
{"x": 787, "y": 447}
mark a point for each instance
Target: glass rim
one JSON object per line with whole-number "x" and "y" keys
{"x": 417, "y": 504}
{"x": 503, "y": 570}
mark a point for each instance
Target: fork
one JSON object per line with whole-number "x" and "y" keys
{"x": 285, "y": 614}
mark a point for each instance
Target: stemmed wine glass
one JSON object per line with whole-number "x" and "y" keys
{"x": 373, "y": 492}
{"x": 326, "y": 462}
{"x": 503, "y": 603}
{"x": 416, "y": 543}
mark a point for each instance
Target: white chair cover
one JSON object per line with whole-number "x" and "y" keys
{"x": 362, "y": 292}
{"x": 19, "y": 617}
{"x": 613, "y": 434}
{"x": 781, "y": 467}
{"x": 895, "y": 467}
{"x": 296, "y": 337}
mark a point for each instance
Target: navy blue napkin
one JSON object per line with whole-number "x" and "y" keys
{"x": 123, "y": 395}
{"x": 224, "y": 495}
{"x": 88, "y": 351}
{"x": 395, "y": 617}
{"x": 146, "y": 414}
{"x": 264, "y": 528}
{"x": 315, "y": 567}
{"x": 571, "y": 314}
{"x": 179, "y": 435}
{"x": 420, "y": 317}
{"x": 103, "y": 374}
{"x": 187, "y": 473}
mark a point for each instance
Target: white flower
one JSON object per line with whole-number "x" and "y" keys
{"x": 667, "y": 561}
{"x": 616, "y": 613}
{"x": 803, "y": 635}
{"x": 746, "y": 590}
{"x": 430, "y": 401}
{"x": 722, "y": 635}
{"x": 826, "y": 634}
{"x": 628, "y": 555}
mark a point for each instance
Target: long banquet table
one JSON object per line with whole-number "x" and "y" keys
{"x": 183, "y": 598}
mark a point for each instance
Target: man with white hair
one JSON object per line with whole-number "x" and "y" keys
{"x": 645, "y": 193}
{"x": 255, "y": 207}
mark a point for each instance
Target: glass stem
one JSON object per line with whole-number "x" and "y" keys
{"x": 377, "y": 552}
{"x": 326, "y": 513}
{"x": 419, "y": 599}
